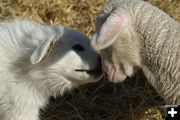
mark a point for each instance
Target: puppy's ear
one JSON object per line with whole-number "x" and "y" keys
{"x": 41, "y": 52}
{"x": 109, "y": 31}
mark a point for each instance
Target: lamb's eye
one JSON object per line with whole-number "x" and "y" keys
{"x": 78, "y": 47}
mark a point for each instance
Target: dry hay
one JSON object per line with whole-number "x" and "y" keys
{"x": 134, "y": 99}
{"x": 78, "y": 14}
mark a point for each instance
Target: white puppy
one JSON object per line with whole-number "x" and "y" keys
{"x": 38, "y": 61}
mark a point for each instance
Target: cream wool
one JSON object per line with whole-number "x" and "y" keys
{"x": 134, "y": 33}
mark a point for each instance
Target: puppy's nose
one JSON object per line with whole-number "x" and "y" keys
{"x": 99, "y": 61}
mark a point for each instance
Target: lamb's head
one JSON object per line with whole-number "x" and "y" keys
{"x": 66, "y": 59}
{"x": 117, "y": 41}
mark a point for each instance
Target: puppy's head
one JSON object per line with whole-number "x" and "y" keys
{"x": 67, "y": 57}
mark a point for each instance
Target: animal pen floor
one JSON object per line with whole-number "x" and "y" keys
{"x": 134, "y": 99}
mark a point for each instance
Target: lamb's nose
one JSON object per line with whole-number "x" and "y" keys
{"x": 105, "y": 74}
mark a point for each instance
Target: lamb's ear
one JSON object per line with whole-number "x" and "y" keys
{"x": 43, "y": 50}
{"x": 108, "y": 32}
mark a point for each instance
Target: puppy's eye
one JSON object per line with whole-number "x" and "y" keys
{"x": 78, "y": 47}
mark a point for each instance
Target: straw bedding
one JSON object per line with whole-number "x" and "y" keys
{"x": 134, "y": 99}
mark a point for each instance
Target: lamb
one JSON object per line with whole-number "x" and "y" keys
{"x": 39, "y": 61}
{"x": 135, "y": 34}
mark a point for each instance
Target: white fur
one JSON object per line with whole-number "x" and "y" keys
{"x": 38, "y": 61}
